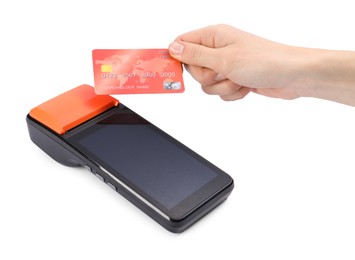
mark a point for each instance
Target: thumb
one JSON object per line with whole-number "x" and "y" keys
{"x": 194, "y": 54}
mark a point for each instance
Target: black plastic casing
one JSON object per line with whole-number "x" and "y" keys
{"x": 56, "y": 146}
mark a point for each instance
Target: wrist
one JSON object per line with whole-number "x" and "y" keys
{"x": 325, "y": 74}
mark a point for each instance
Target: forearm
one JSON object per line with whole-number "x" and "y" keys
{"x": 327, "y": 74}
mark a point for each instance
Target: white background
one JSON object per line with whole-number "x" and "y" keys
{"x": 292, "y": 161}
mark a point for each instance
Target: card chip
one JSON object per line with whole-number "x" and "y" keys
{"x": 106, "y": 68}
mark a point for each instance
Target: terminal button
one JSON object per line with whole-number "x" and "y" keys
{"x": 100, "y": 177}
{"x": 111, "y": 186}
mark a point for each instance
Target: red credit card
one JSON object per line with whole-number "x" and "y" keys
{"x": 136, "y": 71}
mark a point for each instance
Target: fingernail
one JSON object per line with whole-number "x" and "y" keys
{"x": 176, "y": 48}
{"x": 219, "y": 77}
